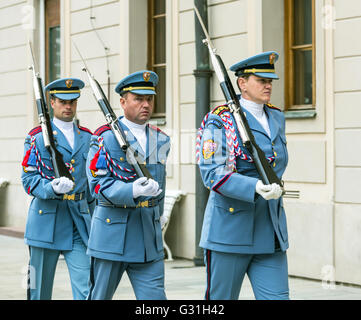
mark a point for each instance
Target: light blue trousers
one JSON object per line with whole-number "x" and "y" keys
{"x": 42, "y": 271}
{"x": 147, "y": 279}
{"x": 268, "y": 274}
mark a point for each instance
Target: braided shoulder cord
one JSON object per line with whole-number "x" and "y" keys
{"x": 40, "y": 163}
{"x": 111, "y": 164}
{"x": 233, "y": 144}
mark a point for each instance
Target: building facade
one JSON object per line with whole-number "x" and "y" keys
{"x": 319, "y": 91}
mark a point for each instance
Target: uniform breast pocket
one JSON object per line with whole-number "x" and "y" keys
{"x": 119, "y": 164}
{"x": 232, "y": 222}
{"x": 244, "y": 161}
{"x": 108, "y": 229}
{"x": 41, "y": 220}
{"x": 117, "y": 154}
{"x": 45, "y": 163}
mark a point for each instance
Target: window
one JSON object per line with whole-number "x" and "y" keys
{"x": 157, "y": 51}
{"x": 300, "y": 84}
{"x": 52, "y": 40}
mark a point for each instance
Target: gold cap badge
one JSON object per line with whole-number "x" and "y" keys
{"x": 69, "y": 83}
{"x": 272, "y": 58}
{"x": 146, "y": 76}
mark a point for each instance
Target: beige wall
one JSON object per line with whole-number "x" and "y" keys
{"x": 16, "y": 117}
{"x": 347, "y": 93}
{"x": 107, "y": 18}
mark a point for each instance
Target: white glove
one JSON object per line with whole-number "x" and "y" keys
{"x": 62, "y": 185}
{"x": 146, "y": 188}
{"x": 268, "y": 191}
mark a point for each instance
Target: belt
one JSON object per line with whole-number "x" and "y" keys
{"x": 147, "y": 204}
{"x": 141, "y": 204}
{"x": 74, "y": 196}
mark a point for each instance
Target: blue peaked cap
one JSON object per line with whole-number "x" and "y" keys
{"x": 66, "y": 88}
{"x": 140, "y": 82}
{"x": 261, "y": 65}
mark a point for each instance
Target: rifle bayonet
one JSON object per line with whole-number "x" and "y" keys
{"x": 267, "y": 175}
{"x": 212, "y": 50}
{"x": 60, "y": 169}
{"x": 111, "y": 119}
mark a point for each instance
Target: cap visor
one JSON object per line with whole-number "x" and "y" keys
{"x": 67, "y": 96}
{"x": 267, "y": 75}
{"x": 143, "y": 92}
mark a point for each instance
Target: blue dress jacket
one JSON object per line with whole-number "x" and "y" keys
{"x": 124, "y": 228}
{"x": 237, "y": 219}
{"x": 51, "y": 220}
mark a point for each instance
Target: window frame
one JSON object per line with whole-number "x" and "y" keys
{"x": 290, "y": 50}
{"x": 52, "y": 20}
{"x": 151, "y": 65}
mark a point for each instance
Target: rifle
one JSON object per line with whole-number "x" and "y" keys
{"x": 111, "y": 119}
{"x": 268, "y": 176}
{"x": 60, "y": 169}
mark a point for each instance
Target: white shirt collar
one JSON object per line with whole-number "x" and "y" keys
{"x": 63, "y": 125}
{"x": 67, "y": 129}
{"x": 254, "y": 108}
{"x": 138, "y": 130}
{"x": 131, "y": 125}
{"x": 257, "y": 110}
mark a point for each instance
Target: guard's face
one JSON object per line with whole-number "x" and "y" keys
{"x": 137, "y": 108}
{"x": 256, "y": 89}
{"x": 64, "y": 109}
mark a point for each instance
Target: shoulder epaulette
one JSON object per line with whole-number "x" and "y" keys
{"x": 157, "y": 129}
{"x": 269, "y": 105}
{"x": 220, "y": 109}
{"x": 35, "y": 131}
{"x": 101, "y": 130}
{"x": 85, "y": 129}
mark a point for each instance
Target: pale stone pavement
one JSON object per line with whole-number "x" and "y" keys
{"x": 183, "y": 280}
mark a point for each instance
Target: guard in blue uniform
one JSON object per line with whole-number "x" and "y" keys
{"x": 244, "y": 228}
{"x": 60, "y": 212}
{"x": 126, "y": 226}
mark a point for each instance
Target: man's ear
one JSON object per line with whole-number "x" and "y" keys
{"x": 52, "y": 101}
{"x": 122, "y": 100}
{"x": 241, "y": 83}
